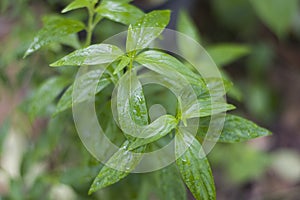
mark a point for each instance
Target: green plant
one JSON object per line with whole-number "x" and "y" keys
{"x": 123, "y": 70}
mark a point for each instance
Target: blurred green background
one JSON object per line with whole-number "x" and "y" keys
{"x": 254, "y": 42}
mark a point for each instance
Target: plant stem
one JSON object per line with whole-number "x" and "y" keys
{"x": 131, "y": 56}
{"x": 89, "y": 28}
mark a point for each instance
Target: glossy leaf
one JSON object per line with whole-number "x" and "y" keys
{"x": 92, "y": 55}
{"x": 236, "y": 129}
{"x": 214, "y": 88}
{"x": 132, "y": 112}
{"x": 223, "y": 54}
{"x": 79, "y": 4}
{"x": 277, "y": 14}
{"x": 119, "y": 12}
{"x": 55, "y": 28}
{"x": 137, "y": 102}
{"x": 154, "y": 131}
{"x": 205, "y": 107}
{"x": 123, "y": 160}
{"x": 146, "y": 29}
{"x": 47, "y": 92}
{"x": 194, "y": 166}
{"x": 170, "y": 184}
{"x": 163, "y": 63}
{"x": 86, "y": 90}
{"x": 122, "y": 64}
{"x": 131, "y": 104}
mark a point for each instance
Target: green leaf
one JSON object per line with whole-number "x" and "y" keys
{"x": 119, "y": 12}
{"x": 71, "y": 40}
{"x": 132, "y": 113}
{"x": 92, "y": 55}
{"x": 215, "y": 87}
{"x": 223, "y": 54}
{"x": 131, "y": 104}
{"x": 186, "y": 26}
{"x": 79, "y": 4}
{"x": 236, "y": 129}
{"x": 119, "y": 1}
{"x": 164, "y": 64}
{"x": 86, "y": 90}
{"x": 186, "y": 45}
{"x": 137, "y": 103}
{"x": 45, "y": 94}
{"x": 277, "y": 14}
{"x": 123, "y": 160}
{"x": 154, "y": 131}
{"x": 122, "y": 64}
{"x": 170, "y": 184}
{"x": 146, "y": 29}
{"x": 194, "y": 166}
{"x": 55, "y": 28}
{"x": 205, "y": 107}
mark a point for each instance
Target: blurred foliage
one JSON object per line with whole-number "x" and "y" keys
{"x": 242, "y": 164}
{"x": 55, "y": 165}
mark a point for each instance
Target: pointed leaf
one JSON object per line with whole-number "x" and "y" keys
{"x": 119, "y": 12}
{"x": 54, "y": 30}
{"x": 170, "y": 184}
{"x": 154, "y": 131}
{"x": 131, "y": 104}
{"x": 123, "y": 160}
{"x": 47, "y": 92}
{"x": 79, "y": 4}
{"x": 137, "y": 104}
{"x": 92, "y": 55}
{"x": 123, "y": 63}
{"x": 163, "y": 63}
{"x": 132, "y": 112}
{"x": 223, "y": 54}
{"x": 214, "y": 88}
{"x": 194, "y": 166}
{"x": 146, "y": 29}
{"x": 204, "y": 108}
{"x": 236, "y": 129}
{"x": 86, "y": 90}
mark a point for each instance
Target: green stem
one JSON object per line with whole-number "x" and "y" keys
{"x": 89, "y": 28}
{"x": 131, "y": 56}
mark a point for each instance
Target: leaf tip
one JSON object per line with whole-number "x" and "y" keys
{"x": 55, "y": 64}
{"x": 65, "y": 10}
{"x": 268, "y": 133}
{"x": 91, "y": 191}
{"x": 27, "y": 53}
{"x": 94, "y": 187}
